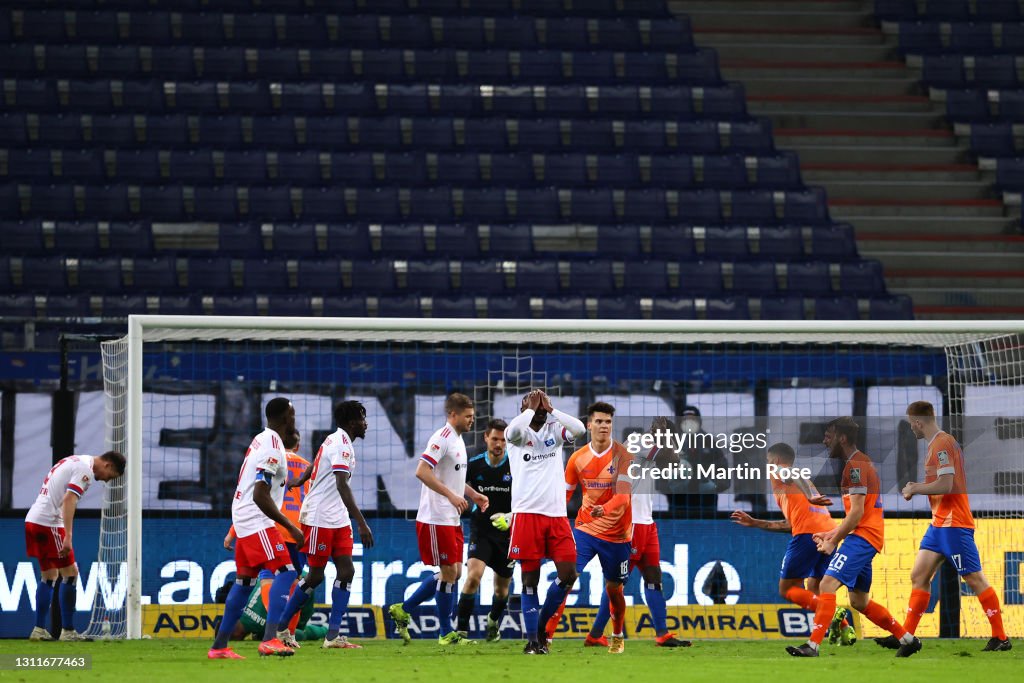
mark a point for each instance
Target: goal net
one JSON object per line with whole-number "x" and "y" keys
{"x": 185, "y": 395}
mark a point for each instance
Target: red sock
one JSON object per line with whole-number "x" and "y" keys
{"x": 881, "y": 618}
{"x": 823, "y": 616}
{"x": 552, "y": 624}
{"x": 990, "y": 603}
{"x": 802, "y": 597}
{"x": 915, "y": 609}
{"x": 617, "y": 604}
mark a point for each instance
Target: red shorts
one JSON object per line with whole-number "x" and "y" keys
{"x": 439, "y": 544}
{"x": 264, "y": 549}
{"x": 535, "y": 537}
{"x": 646, "y": 550}
{"x": 44, "y": 543}
{"x": 323, "y": 543}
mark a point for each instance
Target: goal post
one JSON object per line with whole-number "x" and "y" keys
{"x": 607, "y": 359}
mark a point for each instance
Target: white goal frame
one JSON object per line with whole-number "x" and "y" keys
{"x": 161, "y": 328}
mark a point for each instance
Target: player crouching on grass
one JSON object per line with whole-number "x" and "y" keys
{"x": 804, "y": 514}
{"x": 853, "y": 544}
{"x": 48, "y": 534}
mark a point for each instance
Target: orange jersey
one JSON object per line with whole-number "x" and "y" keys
{"x": 860, "y": 477}
{"x": 951, "y": 509}
{"x": 803, "y": 517}
{"x": 293, "y": 497}
{"x": 599, "y": 476}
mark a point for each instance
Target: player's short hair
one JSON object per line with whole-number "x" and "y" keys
{"x": 783, "y": 450}
{"x": 921, "y": 409}
{"x": 846, "y": 426}
{"x": 600, "y": 407}
{"x": 456, "y": 403}
{"x": 115, "y": 459}
{"x": 496, "y": 423}
{"x": 277, "y": 408}
{"x": 348, "y": 411}
{"x": 290, "y": 439}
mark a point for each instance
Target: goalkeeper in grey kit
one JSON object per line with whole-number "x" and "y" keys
{"x": 489, "y": 535}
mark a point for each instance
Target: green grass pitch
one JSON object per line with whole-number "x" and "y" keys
{"x": 157, "y": 661}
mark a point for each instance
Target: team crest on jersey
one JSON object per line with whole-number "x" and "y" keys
{"x": 855, "y": 475}
{"x": 444, "y": 556}
{"x": 611, "y": 469}
{"x": 515, "y": 550}
{"x": 943, "y": 457}
{"x": 279, "y": 547}
{"x": 507, "y": 477}
{"x": 322, "y": 546}
{"x": 549, "y": 442}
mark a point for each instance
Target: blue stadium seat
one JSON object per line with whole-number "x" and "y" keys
{"x": 1010, "y": 174}
{"x": 513, "y": 170}
{"x": 265, "y": 275}
{"x": 460, "y": 170}
{"x": 17, "y": 305}
{"x": 249, "y": 167}
{"x": 896, "y": 9}
{"x": 76, "y": 238}
{"x": 454, "y": 307}
{"x": 616, "y": 170}
{"x": 949, "y": 10}
{"x": 587, "y": 67}
{"x": 537, "y": 277}
{"x": 430, "y": 205}
{"x": 171, "y": 130}
{"x": 618, "y": 241}
{"x": 437, "y": 133}
{"x": 351, "y": 240}
{"x": 967, "y": 105}
{"x": 43, "y": 275}
{"x": 305, "y": 29}
{"x": 917, "y": 37}
{"x": 672, "y": 171}
{"x": 294, "y": 239}
{"x": 514, "y": 33}
{"x": 537, "y": 205}
{"x": 891, "y": 308}
{"x": 329, "y": 204}
{"x": 511, "y": 241}
{"x": 700, "y": 206}
{"x": 30, "y": 94}
{"x": 756, "y": 277}
{"x": 178, "y": 305}
{"x": 508, "y": 307}
{"x": 646, "y": 278}
{"x": 428, "y": 277}
{"x": 726, "y": 242}
{"x": 20, "y": 60}
{"x": 488, "y": 66}
{"x": 191, "y": 166}
{"x": 563, "y": 308}
{"x": 673, "y": 309}
{"x": 781, "y": 171}
{"x": 538, "y": 134}
{"x": 731, "y": 308}
{"x": 319, "y": 276}
{"x": 30, "y": 165}
{"x": 399, "y": 307}
{"x": 85, "y": 165}
{"x": 21, "y": 238}
{"x": 806, "y": 207}
{"x": 9, "y": 203}
{"x": 331, "y": 63}
{"x": 131, "y": 238}
{"x": 592, "y": 206}
{"x": 223, "y": 63}
{"x": 997, "y": 10}
{"x": 149, "y": 27}
{"x": 163, "y": 203}
{"x": 782, "y": 308}
{"x": 591, "y": 277}
{"x": 701, "y": 277}
{"x": 619, "y": 308}
{"x": 155, "y": 274}
{"x": 54, "y": 201}
{"x": 6, "y": 278}
{"x": 14, "y": 128}
{"x": 240, "y": 239}
{"x": 375, "y": 204}
{"x": 673, "y": 242}
{"x": 406, "y": 169}
{"x": 810, "y": 277}
{"x": 209, "y": 275}
{"x": 239, "y": 304}
{"x": 751, "y": 137}
{"x": 172, "y": 62}
{"x": 861, "y": 277}
{"x": 995, "y": 71}
{"x": 584, "y": 135}
{"x": 301, "y": 168}
{"x": 1011, "y": 105}
{"x": 289, "y": 305}
{"x": 344, "y": 307}
{"x": 780, "y": 243}
{"x": 66, "y": 306}
{"x": 456, "y": 241}
{"x": 282, "y": 64}
{"x": 437, "y": 66}
{"x": 121, "y": 306}
{"x": 834, "y": 242}
{"x": 943, "y": 71}
{"x": 836, "y": 308}
{"x": 137, "y": 165}
{"x": 482, "y": 277}
{"x": 373, "y": 277}
{"x": 972, "y": 38}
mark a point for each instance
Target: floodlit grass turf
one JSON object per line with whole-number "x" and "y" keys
{"x": 156, "y": 661}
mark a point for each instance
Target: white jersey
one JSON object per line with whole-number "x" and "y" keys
{"x": 644, "y": 490}
{"x": 264, "y": 461}
{"x": 538, "y": 473}
{"x": 446, "y": 455}
{"x": 323, "y": 505}
{"x": 74, "y": 475}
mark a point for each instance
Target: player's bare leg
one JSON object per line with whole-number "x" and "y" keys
{"x": 655, "y": 599}
{"x": 977, "y": 582}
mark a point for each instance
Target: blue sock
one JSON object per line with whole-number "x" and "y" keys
{"x": 233, "y": 606}
{"x": 276, "y": 600}
{"x": 445, "y": 604}
{"x": 44, "y": 594}
{"x": 68, "y": 595}
{"x": 656, "y": 604}
{"x": 339, "y": 608}
{"x": 300, "y": 595}
{"x": 531, "y": 612}
{"x": 425, "y": 591}
{"x": 604, "y": 613}
{"x": 555, "y": 597}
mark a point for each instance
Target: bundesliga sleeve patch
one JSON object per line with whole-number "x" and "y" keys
{"x": 943, "y": 457}
{"x": 855, "y": 475}
{"x": 272, "y": 465}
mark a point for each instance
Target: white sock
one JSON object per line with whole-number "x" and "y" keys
{"x": 907, "y": 638}
{"x": 617, "y": 635}
{"x": 814, "y": 645}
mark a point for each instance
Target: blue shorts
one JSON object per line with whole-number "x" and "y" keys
{"x": 614, "y": 557}
{"x": 802, "y": 560}
{"x": 956, "y": 545}
{"x": 850, "y": 564}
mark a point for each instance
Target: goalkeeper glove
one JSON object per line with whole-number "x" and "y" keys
{"x": 500, "y": 521}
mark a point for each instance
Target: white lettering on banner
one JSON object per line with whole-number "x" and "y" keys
{"x": 796, "y": 623}
{"x": 160, "y": 463}
{"x": 732, "y": 578}
{"x": 381, "y": 572}
{"x": 219, "y": 576}
{"x": 679, "y": 570}
{"x": 193, "y": 584}
{"x": 24, "y": 581}
{"x": 99, "y": 577}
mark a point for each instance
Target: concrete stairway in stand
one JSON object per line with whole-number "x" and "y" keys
{"x": 840, "y": 95}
